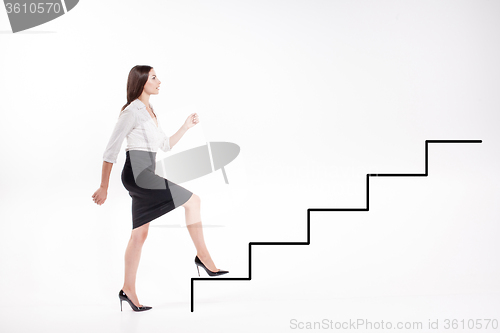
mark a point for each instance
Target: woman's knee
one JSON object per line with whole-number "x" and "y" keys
{"x": 140, "y": 234}
{"x": 193, "y": 201}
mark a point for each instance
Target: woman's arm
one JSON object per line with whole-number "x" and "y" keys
{"x": 177, "y": 136}
{"x": 106, "y": 171}
{"x": 125, "y": 123}
{"x": 101, "y": 194}
{"x": 191, "y": 120}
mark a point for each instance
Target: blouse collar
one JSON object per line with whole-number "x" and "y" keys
{"x": 139, "y": 104}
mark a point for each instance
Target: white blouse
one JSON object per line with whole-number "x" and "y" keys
{"x": 141, "y": 131}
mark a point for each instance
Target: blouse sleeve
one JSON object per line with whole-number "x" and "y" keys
{"x": 124, "y": 125}
{"x": 164, "y": 142}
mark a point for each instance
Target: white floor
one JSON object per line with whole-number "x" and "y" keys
{"x": 234, "y": 313}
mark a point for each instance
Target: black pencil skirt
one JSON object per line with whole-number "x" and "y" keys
{"x": 152, "y": 195}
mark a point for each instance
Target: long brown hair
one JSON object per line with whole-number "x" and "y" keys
{"x": 137, "y": 78}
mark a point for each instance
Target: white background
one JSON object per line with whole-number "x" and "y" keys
{"x": 317, "y": 94}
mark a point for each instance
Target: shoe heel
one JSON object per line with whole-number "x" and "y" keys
{"x": 124, "y": 297}
{"x": 198, "y": 263}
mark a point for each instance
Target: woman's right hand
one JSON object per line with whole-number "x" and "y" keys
{"x": 100, "y": 195}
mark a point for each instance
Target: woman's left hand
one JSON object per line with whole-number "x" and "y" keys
{"x": 191, "y": 120}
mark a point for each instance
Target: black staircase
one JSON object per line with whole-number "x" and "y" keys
{"x": 367, "y": 208}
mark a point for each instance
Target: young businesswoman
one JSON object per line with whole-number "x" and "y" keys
{"x": 152, "y": 195}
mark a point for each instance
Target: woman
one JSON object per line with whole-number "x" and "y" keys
{"x": 152, "y": 195}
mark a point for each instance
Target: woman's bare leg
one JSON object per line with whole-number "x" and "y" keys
{"x": 195, "y": 228}
{"x": 132, "y": 257}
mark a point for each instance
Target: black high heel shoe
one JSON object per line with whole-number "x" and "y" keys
{"x": 198, "y": 263}
{"x": 124, "y": 297}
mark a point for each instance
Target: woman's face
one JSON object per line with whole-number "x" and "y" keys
{"x": 152, "y": 86}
